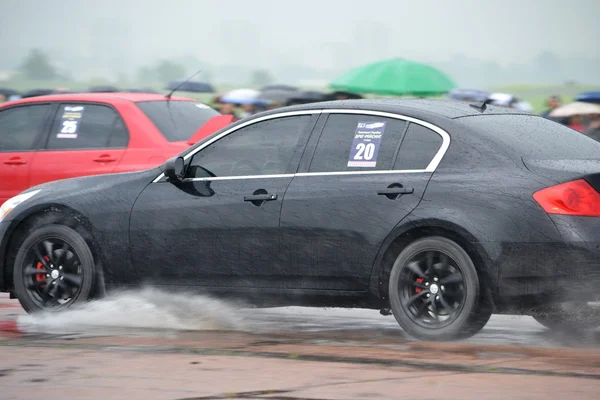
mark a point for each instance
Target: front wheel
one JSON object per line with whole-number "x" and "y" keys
{"x": 435, "y": 293}
{"x": 569, "y": 316}
{"x": 54, "y": 269}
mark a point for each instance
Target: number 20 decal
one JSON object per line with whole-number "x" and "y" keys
{"x": 368, "y": 150}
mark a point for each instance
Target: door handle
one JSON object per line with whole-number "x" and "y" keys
{"x": 261, "y": 197}
{"x": 394, "y": 191}
{"x": 105, "y": 158}
{"x": 15, "y": 161}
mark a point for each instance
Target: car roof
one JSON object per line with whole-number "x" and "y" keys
{"x": 418, "y": 108}
{"x": 100, "y": 97}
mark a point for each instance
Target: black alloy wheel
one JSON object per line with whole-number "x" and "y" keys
{"x": 54, "y": 269}
{"x": 432, "y": 289}
{"x": 435, "y": 293}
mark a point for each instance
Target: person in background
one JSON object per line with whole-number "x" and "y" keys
{"x": 247, "y": 110}
{"x": 593, "y": 129}
{"x": 2, "y": 98}
{"x": 552, "y": 103}
{"x": 273, "y": 105}
{"x": 576, "y": 122}
{"x": 227, "y": 109}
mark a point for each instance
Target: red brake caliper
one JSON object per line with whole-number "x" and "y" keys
{"x": 419, "y": 290}
{"x": 40, "y": 266}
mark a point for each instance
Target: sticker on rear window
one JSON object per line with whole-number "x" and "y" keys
{"x": 365, "y": 146}
{"x": 69, "y": 122}
{"x": 200, "y": 105}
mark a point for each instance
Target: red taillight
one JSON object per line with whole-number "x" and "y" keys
{"x": 571, "y": 198}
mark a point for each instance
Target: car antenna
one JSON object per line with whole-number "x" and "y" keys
{"x": 481, "y": 106}
{"x": 168, "y": 96}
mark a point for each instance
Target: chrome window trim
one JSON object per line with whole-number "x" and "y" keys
{"x": 433, "y": 164}
{"x": 435, "y": 161}
{"x": 240, "y": 126}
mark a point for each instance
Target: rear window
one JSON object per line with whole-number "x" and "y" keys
{"x": 177, "y": 120}
{"x": 535, "y": 137}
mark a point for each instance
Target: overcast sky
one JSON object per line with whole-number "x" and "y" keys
{"x": 322, "y": 33}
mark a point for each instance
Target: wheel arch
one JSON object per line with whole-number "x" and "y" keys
{"x": 411, "y": 231}
{"x": 55, "y": 213}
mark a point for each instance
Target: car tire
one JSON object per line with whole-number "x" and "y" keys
{"x": 74, "y": 277}
{"x": 446, "y": 301}
{"x": 571, "y": 316}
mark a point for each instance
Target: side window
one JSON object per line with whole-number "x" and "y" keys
{"x": 87, "y": 126}
{"x": 357, "y": 142}
{"x": 19, "y": 126}
{"x": 418, "y": 148}
{"x": 264, "y": 148}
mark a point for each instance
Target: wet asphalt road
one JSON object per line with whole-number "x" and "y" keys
{"x": 343, "y": 325}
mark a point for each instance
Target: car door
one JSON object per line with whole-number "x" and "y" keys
{"x": 220, "y": 226}
{"x": 21, "y": 132}
{"x": 363, "y": 178}
{"x": 85, "y": 139}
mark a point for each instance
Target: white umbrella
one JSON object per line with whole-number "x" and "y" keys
{"x": 242, "y": 96}
{"x": 524, "y": 106}
{"x": 577, "y": 108}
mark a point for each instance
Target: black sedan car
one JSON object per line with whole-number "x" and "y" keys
{"x": 437, "y": 212}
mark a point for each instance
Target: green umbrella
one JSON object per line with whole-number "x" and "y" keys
{"x": 394, "y": 77}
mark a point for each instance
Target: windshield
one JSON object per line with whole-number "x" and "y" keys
{"x": 534, "y": 137}
{"x": 177, "y": 120}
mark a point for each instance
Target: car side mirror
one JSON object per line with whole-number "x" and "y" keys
{"x": 174, "y": 169}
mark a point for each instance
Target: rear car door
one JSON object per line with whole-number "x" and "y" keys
{"x": 367, "y": 173}
{"x": 21, "y": 132}
{"x": 85, "y": 139}
{"x": 220, "y": 226}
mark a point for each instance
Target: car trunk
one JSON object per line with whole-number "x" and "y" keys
{"x": 566, "y": 170}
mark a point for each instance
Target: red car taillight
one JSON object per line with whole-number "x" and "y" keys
{"x": 577, "y": 198}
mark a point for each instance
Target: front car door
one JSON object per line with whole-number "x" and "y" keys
{"x": 220, "y": 226}
{"x": 364, "y": 177}
{"x": 85, "y": 139}
{"x": 21, "y": 132}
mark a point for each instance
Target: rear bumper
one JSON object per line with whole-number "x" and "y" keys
{"x": 555, "y": 271}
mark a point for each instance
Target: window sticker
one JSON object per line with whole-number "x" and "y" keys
{"x": 365, "y": 147}
{"x": 70, "y": 121}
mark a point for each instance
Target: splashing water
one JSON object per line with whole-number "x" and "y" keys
{"x": 147, "y": 308}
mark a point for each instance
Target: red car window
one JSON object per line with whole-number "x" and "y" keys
{"x": 87, "y": 126}
{"x": 19, "y": 126}
{"x": 177, "y": 120}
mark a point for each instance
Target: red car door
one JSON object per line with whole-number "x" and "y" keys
{"x": 21, "y": 132}
{"x": 85, "y": 139}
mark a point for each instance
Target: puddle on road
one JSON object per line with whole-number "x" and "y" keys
{"x": 145, "y": 309}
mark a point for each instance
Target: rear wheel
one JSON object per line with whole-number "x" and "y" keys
{"x": 435, "y": 293}
{"x": 54, "y": 269}
{"x": 570, "y": 316}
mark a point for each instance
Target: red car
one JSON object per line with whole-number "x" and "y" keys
{"x": 69, "y": 135}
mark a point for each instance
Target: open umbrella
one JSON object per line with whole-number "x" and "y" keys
{"x": 341, "y": 95}
{"x": 588, "y": 97}
{"x": 503, "y": 99}
{"x": 37, "y": 92}
{"x": 191, "y": 86}
{"x": 289, "y": 88}
{"x": 8, "y": 92}
{"x": 475, "y": 95}
{"x": 243, "y": 96}
{"x": 576, "y": 108}
{"x": 276, "y": 95}
{"x": 307, "y": 96}
{"x": 142, "y": 90}
{"x": 103, "y": 89}
{"x": 394, "y": 77}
